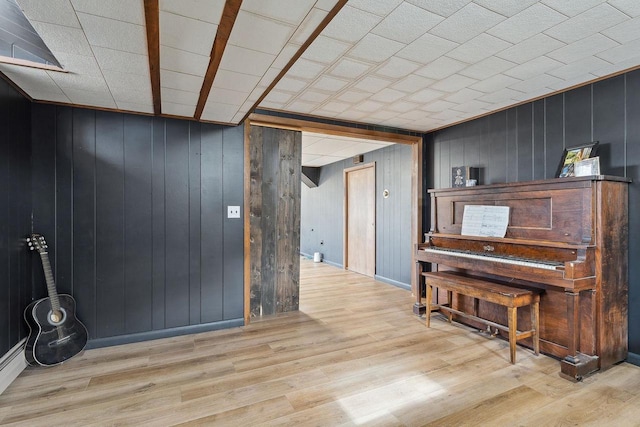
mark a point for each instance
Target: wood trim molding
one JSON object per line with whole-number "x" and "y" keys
{"x": 247, "y": 222}
{"x": 299, "y": 53}
{"x": 229, "y": 15}
{"x": 152, "y": 21}
{"x": 315, "y": 127}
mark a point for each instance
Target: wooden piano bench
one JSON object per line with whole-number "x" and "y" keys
{"x": 485, "y": 290}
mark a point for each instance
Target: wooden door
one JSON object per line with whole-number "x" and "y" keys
{"x": 360, "y": 219}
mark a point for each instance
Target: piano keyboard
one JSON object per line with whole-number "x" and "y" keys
{"x": 505, "y": 259}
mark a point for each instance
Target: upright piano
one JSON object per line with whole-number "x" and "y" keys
{"x": 567, "y": 237}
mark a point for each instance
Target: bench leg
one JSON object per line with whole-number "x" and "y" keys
{"x": 450, "y": 300}
{"x": 513, "y": 328}
{"x": 535, "y": 325}
{"x": 428, "y": 292}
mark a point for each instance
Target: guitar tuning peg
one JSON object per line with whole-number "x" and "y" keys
{"x": 28, "y": 239}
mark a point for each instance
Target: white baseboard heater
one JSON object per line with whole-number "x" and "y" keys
{"x": 12, "y": 364}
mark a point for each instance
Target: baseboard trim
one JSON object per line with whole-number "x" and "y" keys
{"x": 392, "y": 282}
{"x": 12, "y": 364}
{"x": 331, "y": 263}
{"x": 163, "y": 333}
{"x": 633, "y": 358}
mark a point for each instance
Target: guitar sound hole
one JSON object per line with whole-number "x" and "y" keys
{"x": 51, "y": 317}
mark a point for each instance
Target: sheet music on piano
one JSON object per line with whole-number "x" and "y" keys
{"x": 485, "y": 221}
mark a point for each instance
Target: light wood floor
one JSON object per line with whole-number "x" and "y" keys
{"x": 353, "y": 355}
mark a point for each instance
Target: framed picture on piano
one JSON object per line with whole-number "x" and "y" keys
{"x": 570, "y": 156}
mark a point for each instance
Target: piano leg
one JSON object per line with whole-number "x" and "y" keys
{"x": 419, "y": 308}
{"x": 576, "y": 365}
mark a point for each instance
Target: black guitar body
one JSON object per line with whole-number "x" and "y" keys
{"x": 51, "y": 343}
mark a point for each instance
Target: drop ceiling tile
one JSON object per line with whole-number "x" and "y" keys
{"x": 235, "y": 81}
{"x": 487, "y": 68}
{"x": 132, "y": 96}
{"x": 63, "y": 39}
{"x": 305, "y": 69}
{"x": 494, "y": 83}
{"x": 118, "y": 35}
{"x": 478, "y": 48}
{"x": 373, "y": 48}
{"x": 326, "y": 5}
{"x": 426, "y": 95}
{"x": 403, "y": 106}
{"x": 453, "y": 83}
{"x": 178, "y": 109}
{"x": 135, "y": 107}
{"x": 43, "y": 95}
{"x": 326, "y": 50}
{"x": 302, "y": 106}
{"x": 258, "y": 33}
{"x": 441, "y": 68}
{"x": 109, "y": 59}
{"x": 355, "y": 149}
{"x": 406, "y": 23}
{"x": 58, "y": 12}
{"x": 426, "y": 49}
{"x": 467, "y": 23}
{"x": 79, "y": 64}
{"x": 207, "y": 11}
{"x": 353, "y": 96}
{"x": 412, "y": 83}
{"x": 179, "y": 96}
{"x": 531, "y": 48}
{"x": 131, "y": 11}
{"x": 245, "y": 61}
{"x": 449, "y": 115}
{"x": 329, "y": 84}
{"x": 415, "y": 115}
{"x": 324, "y": 160}
{"x": 79, "y": 81}
{"x": 472, "y": 106}
{"x": 31, "y": 79}
{"x": 269, "y": 77}
{"x": 378, "y": 7}
{"x": 222, "y": 113}
{"x": 336, "y": 106}
{"x": 94, "y": 99}
{"x": 588, "y": 22}
{"x": 578, "y": 68}
{"x": 308, "y": 26}
{"x": 502, "y": 95}
{"x": 225, "y": 96}
{"x": 397, "y": 68}
{"x": 325, "y": 146}
{"x": 535, "y": 83}
{"x": 285, "y": 56}
{"x": 437, "y": 106}
{"x": 622, "y": 53}
{"x": 291, "y": 85}
{"x": 630, "y": 7}
{"x": 617, "y": 67}
{"x": 187, "y": 34}
{"x": 134, "y": 81}
{"x": 309, "y": 157}
{"x": 571, "y": 8}
{"x": 292, "y": 12}
{"x": 625, "y": 31}
{"x": 313, "y": 96}
{"x": 533, "y": 68}
{"x": 348, "y": 68}
{"x": 277, "y": 96}
{"x": 351, "y": 24}
{"x": 369, "y": 106}
{"x": 180, "y": 81}
{"x": 372, "y": 84}
{"x": 442, "y": 8}
{"x": 388, "y": 95}
{"x": 506, "y": 7}
{"x": 583, "y": 48}
{"x": 183, "y": 62}
{"x": 464, "y": 95}
{"x": 527, "y": 23}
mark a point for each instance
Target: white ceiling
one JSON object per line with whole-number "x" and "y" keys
{"x": 319, "y": 149}
{"x": 414, "y": 64}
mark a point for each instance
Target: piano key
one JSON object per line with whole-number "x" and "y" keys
{"x": 547, "y": 265}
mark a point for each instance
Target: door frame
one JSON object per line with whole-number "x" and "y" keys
{"x": 345, "y": 215}
{"x": 417, "y": 195}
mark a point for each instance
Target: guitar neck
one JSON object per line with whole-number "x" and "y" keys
{"x": 51, "y": 286}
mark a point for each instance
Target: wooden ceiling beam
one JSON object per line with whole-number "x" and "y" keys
{"x": 229, "y": 15}
{"x": 152, "y": 21}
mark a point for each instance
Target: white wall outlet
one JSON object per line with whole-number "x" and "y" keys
{"x": 233, "y": 211}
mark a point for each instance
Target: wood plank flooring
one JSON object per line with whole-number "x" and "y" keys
{"x": 353, "y": 355}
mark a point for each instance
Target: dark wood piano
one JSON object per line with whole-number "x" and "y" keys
{"x": 566, "y": 236}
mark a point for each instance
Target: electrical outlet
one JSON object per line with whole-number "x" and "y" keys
{"x": 233, "y": 211}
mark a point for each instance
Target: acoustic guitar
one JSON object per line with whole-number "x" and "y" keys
{"x": 55, "y": 333}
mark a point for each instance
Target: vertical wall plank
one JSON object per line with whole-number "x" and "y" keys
{"x": 608, "y": 110}
{"x": 270, "y": 162}
{"x": 538, "y": 140}
{"x": 525, "y": 141}
{"x": 64, "y": 200}
{"x": 84, "y": 215}
{"x": 158, "y": 223}
{"x": 554, "y": 128}
{"x": 177, "y": 224}
{"x": 255, "y": 219}
{"x": 212, "y": 215}
{"x": 511, "y": 148}
{"x": 110, "y": 277}
{"x": 497, "y": 168}
{"x": 577, "y": 116}
{"x": 194, "y": 224}
{"x": 138, "y": 233}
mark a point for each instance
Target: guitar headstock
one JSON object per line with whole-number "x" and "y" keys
{"x": 37, "y": 242}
